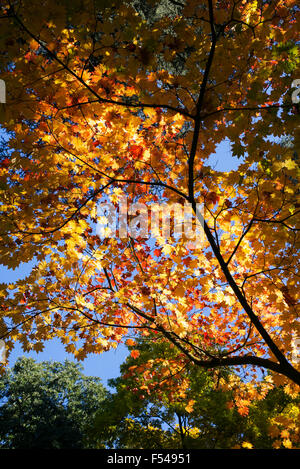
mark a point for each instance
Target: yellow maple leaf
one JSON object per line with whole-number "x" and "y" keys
{"x": 247, "y": 445}
{"x": 190, "y": 407}
{"x": 167, "y": 249}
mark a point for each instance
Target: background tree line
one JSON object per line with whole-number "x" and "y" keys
{"x": 53, "y": 405}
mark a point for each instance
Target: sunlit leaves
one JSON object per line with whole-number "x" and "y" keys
{"x": 121, "y": 102}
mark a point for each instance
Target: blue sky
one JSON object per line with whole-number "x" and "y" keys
{"x": 106, "y": 365}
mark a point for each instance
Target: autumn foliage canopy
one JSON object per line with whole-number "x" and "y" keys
{"x": 106, "y": 100}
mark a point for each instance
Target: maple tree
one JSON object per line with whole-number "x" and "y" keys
{"x": 106, "y": 100}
